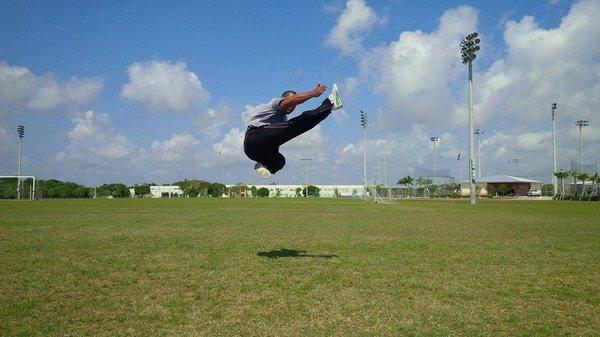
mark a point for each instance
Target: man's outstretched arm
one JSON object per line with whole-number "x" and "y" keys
{"x": 292, "y": 100}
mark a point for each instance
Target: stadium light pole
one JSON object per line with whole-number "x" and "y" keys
{"x": 479, "y": 132}
{"x": 364, "y": 123}
{"x": 581, "y": 124}
{"x": 378, "y": 170}
{"x": 385, "y": 170}
{"x": 434, "y": 140}
{"x": 306, "y": 160}
{"x": 469, "y": 47}
{"x": 219, "y": 164}
{"x": 554, "y": 179}
{"x": 514, "y": 162}
{"x": 21, "y": 133}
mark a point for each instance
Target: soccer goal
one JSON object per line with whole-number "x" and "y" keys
{"x": 380, "y": 194}
{"x": 18, "y": 187}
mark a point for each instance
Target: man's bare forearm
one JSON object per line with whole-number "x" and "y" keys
{"x": 293, "y": 100}
{"x": 300, "y": 98}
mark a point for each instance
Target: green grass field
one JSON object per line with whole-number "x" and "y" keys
{"x": 283, "y": 267}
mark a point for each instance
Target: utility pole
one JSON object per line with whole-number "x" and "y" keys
{"x": 20, "y": 132}
{"x": 469, "y": 47}
{"x": 554, "y": 179}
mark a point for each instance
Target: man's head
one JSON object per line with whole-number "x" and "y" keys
{"x": 286, "y": 94}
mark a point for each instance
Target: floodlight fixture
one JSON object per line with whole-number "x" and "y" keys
{"x": 20, "y": 130}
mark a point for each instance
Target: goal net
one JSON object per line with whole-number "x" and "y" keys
{"x": 18, "y": 187}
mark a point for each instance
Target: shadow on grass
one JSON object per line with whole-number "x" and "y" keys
{"x": 276, "y": 254}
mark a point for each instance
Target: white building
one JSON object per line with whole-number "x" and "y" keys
{"x": 165, "y": 191}
{"x": 325, "y": 191}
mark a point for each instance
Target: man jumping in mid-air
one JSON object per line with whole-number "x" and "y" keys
{"x": 269, "y": 128}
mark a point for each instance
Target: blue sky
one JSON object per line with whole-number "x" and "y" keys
{"x": 77, "y": 75}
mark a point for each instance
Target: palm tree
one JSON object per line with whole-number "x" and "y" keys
{"x": 561, "y": 175}
{"x": 405, "y": 181}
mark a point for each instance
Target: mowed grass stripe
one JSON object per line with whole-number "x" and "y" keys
{"x": 194, "y": 267}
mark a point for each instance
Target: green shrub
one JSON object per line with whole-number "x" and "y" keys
{"x": 262, "y": 192}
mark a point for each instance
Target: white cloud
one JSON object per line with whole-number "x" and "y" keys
{"x": 7, "y": 144}
{"x": 178, "y": 148}
{"x": 212, "y": 121}
{"x": 21, "y": 89}
{"x": 231, "y": 147}
{"x": 95, "y": 143}
{"x": 544, "y": 66}
{"x": 164, "y": 86}
{"x": 354, "y": 22}
{"x": 248, "y": 112}
{"x": 311, "y": 139}
{"x": 415, "y": 72}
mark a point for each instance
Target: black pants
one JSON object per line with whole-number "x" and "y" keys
{"x": 262, "y": 143}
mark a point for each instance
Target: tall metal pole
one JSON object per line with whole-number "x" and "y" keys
{"x": 385, "y": 170}
{"x": 471, "y": 140}
{"x": 580, "y": 149}
{"x": 434, "y": 140}
{"x": 306, "y": 160}
{"x": 20, "y": 132}
{"x": 219, "y": 164}
{"x": 514, "y": 162}
{"x": 363, "y": 123}
{"x": 581, "y": 124}
{"x": 469, "y": 48}
{"x": 378, "y": 170}
{"x": 434, "y": 168}
{"x": 479, "y": 132}
{"x": 19, "y": 170}
{"x": 364, "y": 156}
{"x": 460, "y": 168}
{"x": 554, "y": 179}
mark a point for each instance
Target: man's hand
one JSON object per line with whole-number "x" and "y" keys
{"x": 319, "y": 89}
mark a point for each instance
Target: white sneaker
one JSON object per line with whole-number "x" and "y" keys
{"x": 262, "y": 171}
{"x": 335, "y": 98}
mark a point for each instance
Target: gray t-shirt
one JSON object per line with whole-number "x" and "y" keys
{"x": 268, "y": 114}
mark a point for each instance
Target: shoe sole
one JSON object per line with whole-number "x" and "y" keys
{"x": 338, "y": 101}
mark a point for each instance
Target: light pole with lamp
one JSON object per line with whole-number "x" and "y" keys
{"x": 469, "y": 48}
{"x": 581, "y": 124}
{"x": 434, "y": 140}
{"x": 306, "y": 160}
{"x": 479, "y": 132}
{"x": 554, "y": 179}
{"x": 21, "y": 133}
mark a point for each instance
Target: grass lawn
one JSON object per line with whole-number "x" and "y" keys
{"x": 298, "y": 267}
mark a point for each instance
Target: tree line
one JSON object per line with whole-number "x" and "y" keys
{"x": 52, "y": 188}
